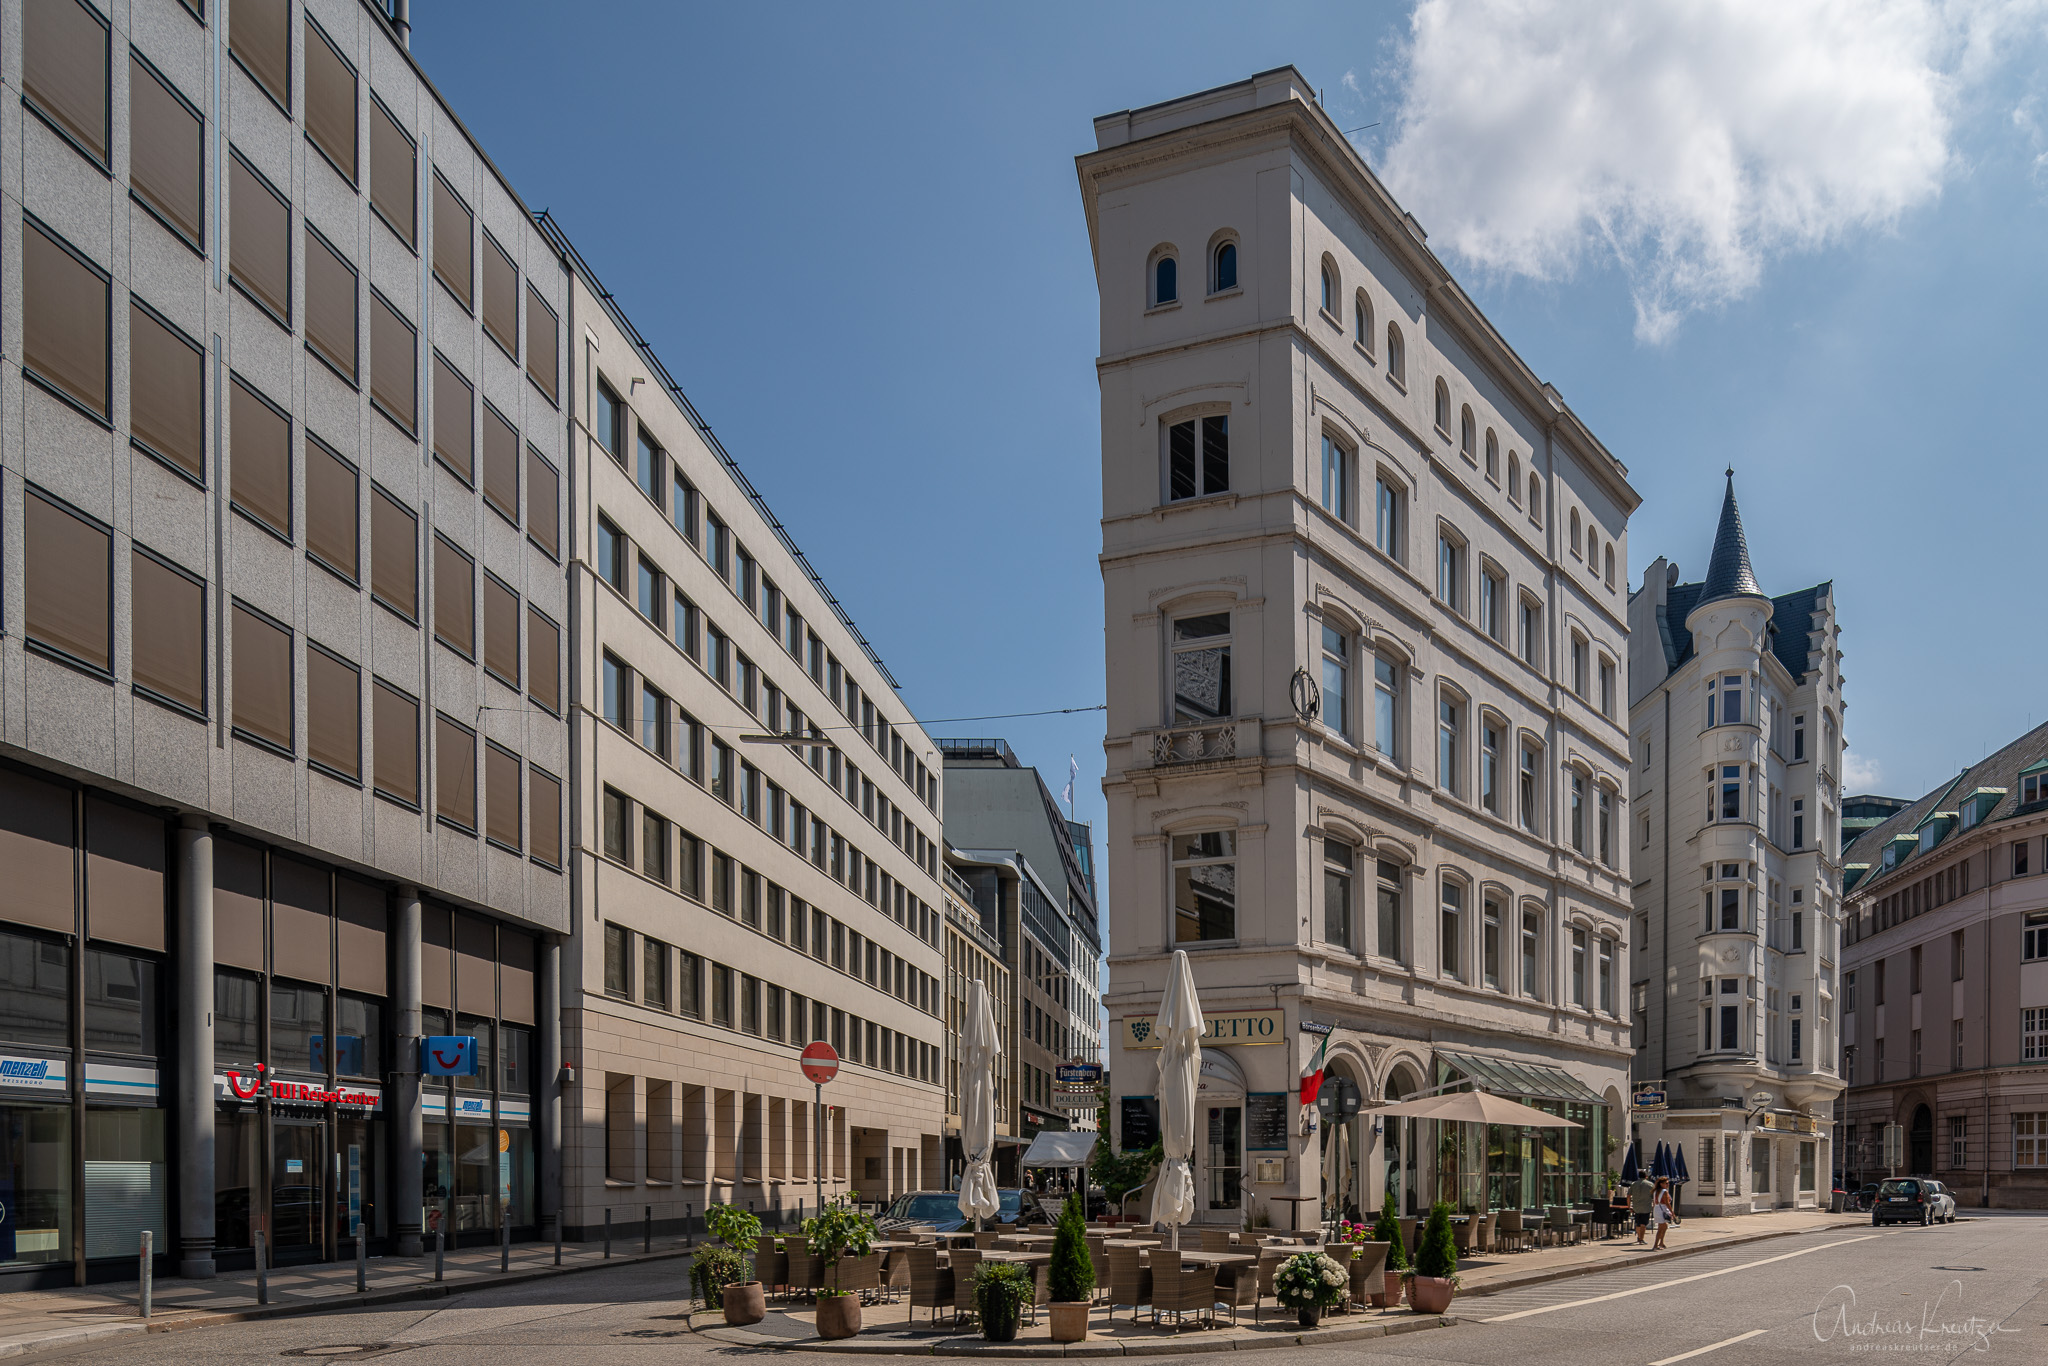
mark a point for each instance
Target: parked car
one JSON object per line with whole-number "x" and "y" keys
{"x": 1944, "y": 1202}
{"x": 1866, "y": 1196}
{"x": 940, "y": 1210}
{"x": 1912, "y": 1200}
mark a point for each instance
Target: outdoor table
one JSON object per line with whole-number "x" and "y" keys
{"x": 1024, "y": 1242}
{"x": 1294, "y": 1215}
{"x": 1005, "y": 1254}
{"x": 962, "y": 1235}
{"x": 1217, "y": 1259}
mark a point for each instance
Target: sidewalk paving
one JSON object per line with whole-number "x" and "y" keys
{"x": 32, "y": 1320}
{"x": 1505, "y": 1271}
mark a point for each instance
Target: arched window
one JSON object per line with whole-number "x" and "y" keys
{"x": 1592, "y": 551}
{"x": 1226, "y": 267}
{"x": 1397, "y": 361}
{"x": 1492, "y": 455}
{"x": 1514, "y": 479}
{"x": 1361, "y": 320}
{"x": 1610, "y": 564}
{"x": 1574, "y": 541}
{"x": 1443, "y": 406}
{"x": 1535, "y": 497}
{"x": 1165, "y": 281}
{"x": 1468, "y": 433}
{"x": 1329, "y": 289}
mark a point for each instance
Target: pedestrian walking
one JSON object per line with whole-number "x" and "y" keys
{"x": 1642, "y": 1198}
{"x": 1661, "y": 1210}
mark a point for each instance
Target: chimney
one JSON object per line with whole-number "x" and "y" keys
{"x": 401, "y": 22}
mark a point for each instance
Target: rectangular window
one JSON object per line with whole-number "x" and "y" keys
{"x": 611, "y": 554}
{"x": 721, "y": 995}
{"x": 1450, "y": 572}
{"x": 1205, "y": 887}
{"x": 1492, "y": 589}
{"x": 65, "y": 320}
{"x": 618, "y": 971}
{"x": 1450, "y": 925}
{"x": 260, "y": 240}
{"x": 454, "y": 772}
{"x": 260, "y": 459}
{"x": 64, "y": 71}
{"x": 541, "y": 345}
{"x": 1337, "y": 870}
{"x": 1532, "y": 634}
{"x": 1579, "y": 968}
{"x": 501, "y": 297}
{"x": 543, "y": 503}
{"x": 654, "y": 722}
{"x": 1489, "y": 943}
{"x": 454, "y": 243}
{"x": 394, "y": 554}
{"x": 332, "y": 509}
{"x": 334, "y": 713}
{"x": 1532, "y": 950}
{"x": 166, "y": 391}
{"x": 166, "y": 149}
{"x": 653, "y": 846}
{"x": 331, "y": 305}
{"x": 260, "y": 40}
{"x": 544, "y": 793}
{"x": 395, "y": 719}
{"x": 261, "y": 678}
{"x": 1731, "y": 1028}
{"x": 501, "y": 464}
{"x": 2033, "y": 1034}
{"x": 68, "y": 588}
{"x": 617, "y": 839}
{"x": 167, "y": 621}
{"x": 654, "y": 963}
{"x": 1604, "y": 802}
{"x": 501, "y": 630}
{"x": 1336, "y": 480}
{"x": 454, "y": 598}
{"x": 1198, "y": 469}
{"x": 394, "y": 174}
{"x": 608, "y": 421}
{"x": 330, "y": 101}
{"x": 454, "y": 421}
{"x": 394, "y": 364}
{"x": 1385, "y": 709}
{"x": 1387, "y": 518}
{"x": 1447, "y": 758}
{"x": 2030, "y": 1138}
{"x": 1731, "y": 792}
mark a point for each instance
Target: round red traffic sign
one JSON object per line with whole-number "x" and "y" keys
{"x": 820, "y": 1061}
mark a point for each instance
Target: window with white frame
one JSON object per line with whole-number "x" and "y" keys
{"x": 1606, "y": 976}
{"x": 1493, "y": 588}
{"x": 1205, "y": 887}
{"x": 1336, "y": 479}
{"x": 1798, "y": 737}
{"x": 1201, "y": 668}
{"x": 1338, "y": 865}
{"x": 1450, "y": 570}
{"x": 1489, "y": 943}
{"x": 1578, "y": 810}
{"x": 1578, "y": 942}
{"x": 1386, "y": 713}
{"x": 1532, "y": 952}
{"x": 1492, "y": 455}
{"x": 1389, "y": 917}
{"x": 2034, "y": 1034}
{"x": 1799, "y": 822}
{"x": 1361, "y": 322}
{"x": 1329, "y": 287}
{"x": 1443, "y": 407}
{"x": 1165, "y": 280}
{"x": 1530, "y": 645}
{"x": 1449, "y": 727}
{"x": 1579, "y": 671}
{"x": 1450, "y": 924}
{"x": 1604, "y": 804}
{"x": 1607, "y": 686}
{"x": 1729, "y": 805}
{"x": 1387, "y": 517}
{"x": 1198, "y": 457}
{"x": 2030, "y": 1138}
{"x": 1728, "y": 695}
{"x": 1223, "y": 267}
{"x": 1489, "y": 766}
{"x": 1529, "y": 805}
{"x": 2034, "y": 936}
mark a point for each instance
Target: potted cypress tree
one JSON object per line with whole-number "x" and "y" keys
{"x": 1070, "y": 1280}
{"x": 1436, "y": 1264}
{"x": 1388, "y": 1231}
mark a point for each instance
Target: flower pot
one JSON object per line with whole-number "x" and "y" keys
{"x": 998, "y": 1326}
{"x": 745, "y": 1303}
{"x": 838, "y": 1316}
{"x": 1069, "y": 1320}
{"x": 1431, "y": 1294}
{"x": 1309, "y": 1315}
{"x": 1378, "y": 1298}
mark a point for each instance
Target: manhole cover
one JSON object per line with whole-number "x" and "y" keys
{"x": 343, "y": 1349}
{"x": 1958, "y": 1268}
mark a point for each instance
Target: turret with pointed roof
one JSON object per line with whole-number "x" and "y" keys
{"x": 1728, "y": 572}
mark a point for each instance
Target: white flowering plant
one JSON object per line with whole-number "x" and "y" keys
{"x": 1309, "y": 1280}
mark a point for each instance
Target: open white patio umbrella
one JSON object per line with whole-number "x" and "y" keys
{"x": 1179, "y": 1030}
{"x": 979, "y": 1046}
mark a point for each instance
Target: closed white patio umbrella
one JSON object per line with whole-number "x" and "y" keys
{"x": 979, "y": 1045}
{"x": 1179, "y": 1030}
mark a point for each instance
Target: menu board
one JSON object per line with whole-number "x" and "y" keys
{"x": 1140, "y": 1123}
{"x": 1265, "y": 1120}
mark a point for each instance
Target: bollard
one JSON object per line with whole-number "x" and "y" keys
{"x": 647, "y": 1229}
{"x": 362, "y": 1261}
{"x": 504, "y": 1242}
{"x": 440, "y": 1246}
{"x": 607, "y": 1234}
{"x": 148, "y": 1262}
{"x": 558, "y": 1238}
{"x": 262, "y": 1271}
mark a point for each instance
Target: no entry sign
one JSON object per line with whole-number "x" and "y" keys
{"x": 820, "y": 1062}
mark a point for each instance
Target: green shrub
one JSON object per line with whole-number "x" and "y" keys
{"x": 1001, "y": 1290}
{"x": 838, "y": 1230}
{"x": 1436, "y": 1254}
{"x": 1071, "y": 1277}
{"x": 1388, "y": 1230}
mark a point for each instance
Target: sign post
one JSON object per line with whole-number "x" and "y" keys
{"x": 820, "y": 1062}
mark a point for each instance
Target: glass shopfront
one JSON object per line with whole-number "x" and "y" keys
{"x": 1482, "y": 1167}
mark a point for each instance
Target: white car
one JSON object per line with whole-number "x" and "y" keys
{"x": 1944, "y": 1202}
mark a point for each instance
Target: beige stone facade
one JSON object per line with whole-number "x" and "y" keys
{"x": 1363, "y": 579}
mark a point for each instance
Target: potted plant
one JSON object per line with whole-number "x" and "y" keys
{"x": 1308, "y": 1283}
{"x": 1070, "y": 1280}
{"x": 1436, "y": 1264}
{"x": 724, "y": 1262}
{"x": 1388, "y": 1231}
{"x": 838, "y": 1230}
{"x": 1001, "y": 1290}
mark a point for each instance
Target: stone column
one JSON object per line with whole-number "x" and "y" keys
{"x": 194, "y": 1096}
{"x": 548, "y": 1122}
{"x": 407, "y": 1128}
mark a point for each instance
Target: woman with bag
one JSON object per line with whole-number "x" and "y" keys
{"x": 1660, "y": 1210}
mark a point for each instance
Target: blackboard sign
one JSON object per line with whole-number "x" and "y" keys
{"x": 1265, "y": 1120}
{"x": 1140, "y": 1123}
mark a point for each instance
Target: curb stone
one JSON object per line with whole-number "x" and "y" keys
{"x": 1088, "y": 1347}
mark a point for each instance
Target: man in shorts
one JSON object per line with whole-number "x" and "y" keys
{"x": 1641, "y": 1197}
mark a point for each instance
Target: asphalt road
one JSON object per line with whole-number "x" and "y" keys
{"x": 1979, "y": 1286}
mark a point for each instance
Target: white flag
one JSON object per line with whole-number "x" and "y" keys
{"x": 1073, "y": 772}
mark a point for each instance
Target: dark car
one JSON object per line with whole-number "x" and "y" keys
{"x": 1865, "y": 1194}
{"x": 940, "y": 1210}
{"x": 1907, "y": 1200}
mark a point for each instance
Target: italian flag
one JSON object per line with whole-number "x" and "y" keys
{"x": 1312, "y": 1073}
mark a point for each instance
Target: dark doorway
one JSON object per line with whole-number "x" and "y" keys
{"x": 1921, "y": 1153}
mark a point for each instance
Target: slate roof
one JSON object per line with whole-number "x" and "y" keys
{"x": 1729, "y": 575}
{"x": 2001, "y": 769}
{"x": 1728, "y": 571}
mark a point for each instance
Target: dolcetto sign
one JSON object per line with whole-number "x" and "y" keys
{"x": 1237, "y": 1027}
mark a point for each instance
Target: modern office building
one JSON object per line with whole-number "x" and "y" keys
{"x": 756, "y": 833}
{"x": 282, "y": 748}
{"x": 1945, "y": 985}
{"x": 974, "y": 952}
{"x": 1000, "y": 811}
{"x": 1737, "y": 706}
{"x": 1367, "y": 751}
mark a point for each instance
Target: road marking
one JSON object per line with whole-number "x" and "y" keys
{"x": 1666, "y": 1285}
{"x": 1711, "y": 1347}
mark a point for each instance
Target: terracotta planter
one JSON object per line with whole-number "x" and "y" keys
{"x": 997, "y": 1326}
{"x": 838, "y": 1316}
{"x": 745, "y": 1303}
{"x": 1069, "y": 1320}
{"x": 1431, "y": 1294}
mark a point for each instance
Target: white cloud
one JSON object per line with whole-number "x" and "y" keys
{"x": 1691, "y": 143}
{"x": 1860, "y": 774}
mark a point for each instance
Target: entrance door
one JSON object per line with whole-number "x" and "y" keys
{"x": 298, "y": 1188}
{"x": 1225, "y": 1157}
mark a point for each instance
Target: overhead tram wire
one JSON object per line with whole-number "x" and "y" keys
{"x": 922, "y": 723}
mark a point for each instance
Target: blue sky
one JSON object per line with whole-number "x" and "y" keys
{"x": 1805, "y": 245}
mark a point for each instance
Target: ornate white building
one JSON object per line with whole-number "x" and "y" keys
{"x": 1364, "y": 577}
{"x": 1736, "y": 707}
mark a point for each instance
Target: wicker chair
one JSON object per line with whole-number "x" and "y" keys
{"x": 1184, "y": 1291}
{"x": 985, "y": 1239}
{"x": 932, "y": 1286}
{"x": 1238, "y": 1287}
{"x": 1214, "y": 1239}
{"x": 1342, "y": 1255}
{"x": 895, "y": 1271}
{"x": 1130, "y": 1280}
{"x": 1368, "y": 1270}
{"x": 806, "y": 1271}
{"x": 1411, "y": 1229}
{"x": 1269, "y": 1267}
{"x": 1482, "y": 1241}
{"x": 1508, "y": 1231}
{"x": 771, "y": 1265}
{"x": 860, "y": 1275}
{"x": 1098, "y": 1258}
{"x": 1561, "y": 1226}
{"x": 1461, "y": 1235}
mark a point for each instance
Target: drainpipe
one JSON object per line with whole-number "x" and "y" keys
{"x": 401, "y": 22}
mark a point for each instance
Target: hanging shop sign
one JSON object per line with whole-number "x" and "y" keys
{"x": 1235, "y": 1027}
{"x": 448, "y": 1055}
{"x": 1078, "y": 1073}
{"x": 1650, "y": 1097}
